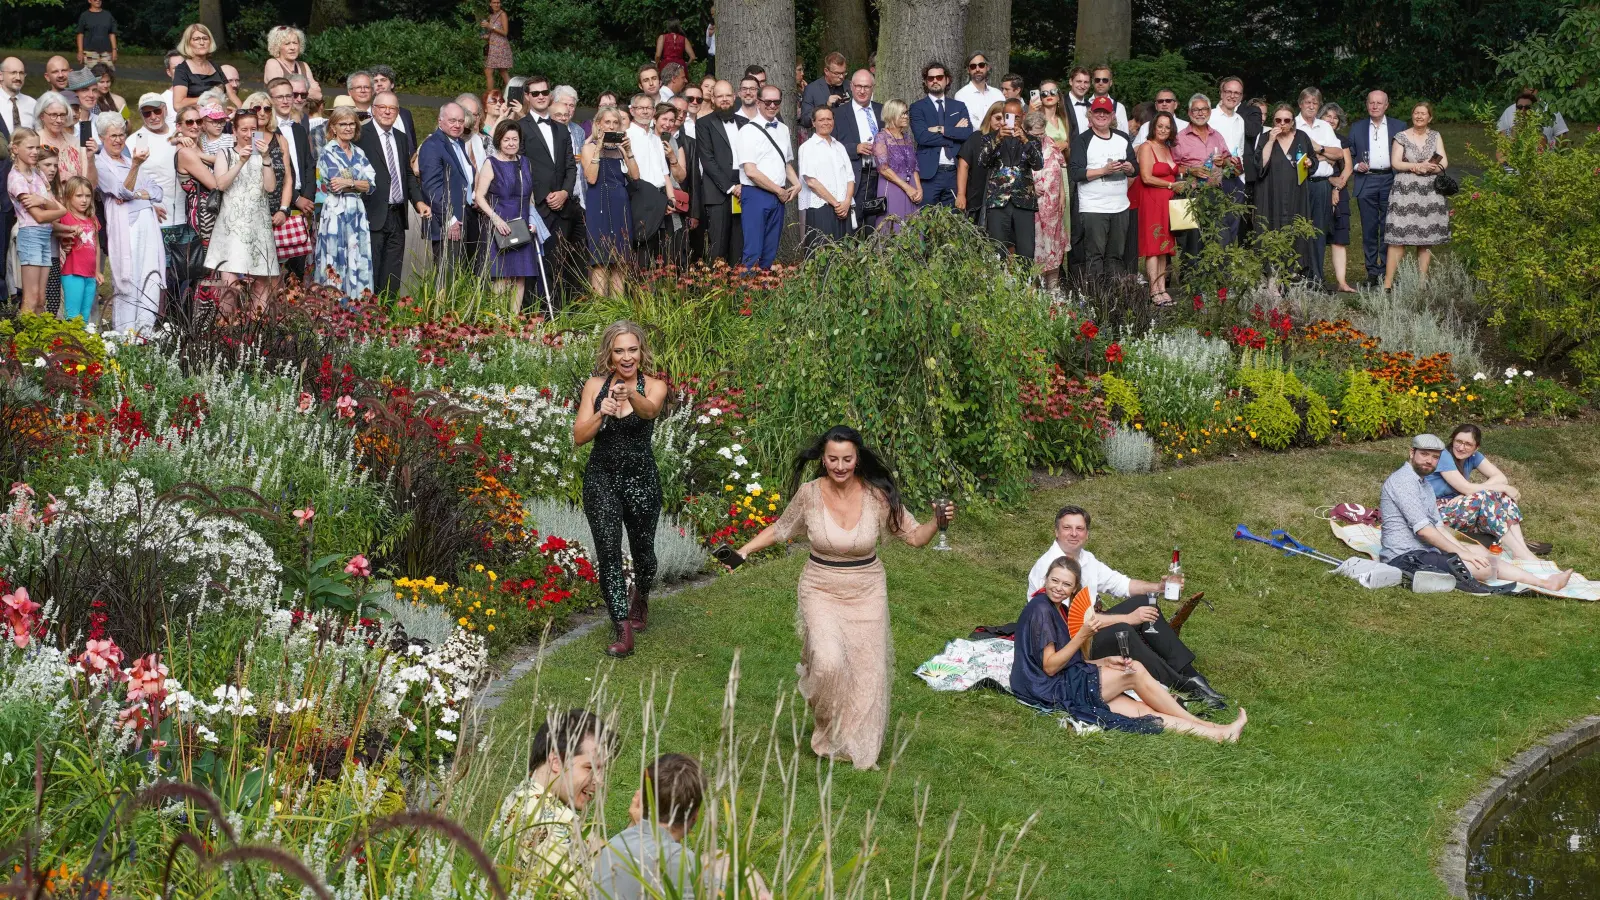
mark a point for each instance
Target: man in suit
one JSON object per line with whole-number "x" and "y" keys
{"x": 940, "y": 125}
{"x": 447, "y": 185}
{"x": 1371, "y": 140}
{"x": 301, "y": 168}
{"x": 16, "y": 111}
{"x": 548, "y": 150}
{"x": 825, "y": 91}
{"x": 389, "y": 149}
{"x": 719, "y": 185}
{"x": 856, "y": 123}
{"x": 382, "y": 82}
{"x": 694, "y": 235}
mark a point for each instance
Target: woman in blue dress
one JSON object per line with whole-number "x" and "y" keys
{"x": 504, "y": 190}
{"x": 608, "y": 166}
{"x": 1049, "y": 671}
{"x": 344, "y": 176}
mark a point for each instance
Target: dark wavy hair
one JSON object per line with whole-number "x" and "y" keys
{"x": 869, "y": 468}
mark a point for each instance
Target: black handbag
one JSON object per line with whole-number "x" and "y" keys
{"x": 868, "y": 203}
{"x": 1445, "y": 185}
{"x": 519, "y": 235}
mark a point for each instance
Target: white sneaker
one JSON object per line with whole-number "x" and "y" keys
{"x": 1432, "y": 583}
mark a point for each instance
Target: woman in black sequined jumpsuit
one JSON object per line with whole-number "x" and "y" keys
{"x": 621, "y": 487}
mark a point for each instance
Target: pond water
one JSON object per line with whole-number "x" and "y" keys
{"x": 1545, "y": 845}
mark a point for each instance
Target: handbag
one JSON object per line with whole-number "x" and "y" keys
{"x": 1180, "y": 216}
{"x": 1445, "y": 185}
{"x": 519, "y": 235}
{"x": 293, "y": 237}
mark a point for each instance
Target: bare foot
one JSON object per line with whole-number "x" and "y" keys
{"x": 1558, "y": 581}
{"x": 1346, "y": 289}
{"x": 1237, "y": 727}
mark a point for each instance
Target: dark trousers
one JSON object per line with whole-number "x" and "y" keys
{"x": 1105, "y": 237}
{"x": 823, "y": 226}
{"x": 724, "y": 234}
{"x": 1373, "y": 201}
{"x": 1234, "y": 188}
{"x": 940, "y": 190}
{"x": 1012, "y": 227}
{"x": 567, "y": 237}
{"x": 5, "y": 249}
{"x": 389, "y": 251}
{"x": 1163, "y": 654}
{"x": 296, "y": 266}
{"x": 1130, "y": 244}
{"x": 763, "y": 227}
{"x": 1322, "y": 217}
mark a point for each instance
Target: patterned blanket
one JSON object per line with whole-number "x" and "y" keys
{"x": 1367, "y": 539}
{"x": 964, "y": 665}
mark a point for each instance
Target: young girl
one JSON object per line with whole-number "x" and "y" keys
{"x": 36, "y": 208}
{"x": 80, "y": 250}
{"x": 49, "y": 166}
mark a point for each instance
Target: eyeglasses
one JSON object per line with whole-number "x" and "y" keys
{"x": 692, "y": 100}
{"x": 939, "y": 77}
{"x": 973, "y": 67}
{"x": 1102, "y": 81}
{"x": 152, "y": 110}
{"x": 543, "y": 93}
{"x": 1172, "y": 100}
{"x": 190, "y": 123}
{"x": 386, "y": 108}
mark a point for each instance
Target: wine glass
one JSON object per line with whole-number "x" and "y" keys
{"x": 1122, "y": 647}
{"x": 941, "y": 509}
{"x": 1150, "y": 627}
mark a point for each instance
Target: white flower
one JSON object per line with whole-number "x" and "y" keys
{"x": 714, "y": 411}
{"x": 733, "y": 476}
{"x": 39, "y": 363}
{"x": 737, "y": 448}
{"x": 740, "y": 460}
{"x": 445, "y": 734}
{"x": 1479, "y": 377}
{"x": 725, "y": 453}
{"x": 703, "y": 419}
{"x": 1511, "y": 372}
{"x": 1527, "y": 373}
{"x": 90, "y": 327}
{"x": 752, "y": 487}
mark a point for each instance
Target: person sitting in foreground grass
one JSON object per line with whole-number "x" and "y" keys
{"x": 1484, "y": 507}
{"x": 1416, "y": 542}
{"x": 1161, "y": 653}
{"x": 542, "y": 818}
{"x": 1049, "y": 670}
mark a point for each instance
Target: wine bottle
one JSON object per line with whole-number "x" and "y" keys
{"x": 1174, "y": 577}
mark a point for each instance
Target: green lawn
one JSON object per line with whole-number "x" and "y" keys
{"x": 1374, "y": 715}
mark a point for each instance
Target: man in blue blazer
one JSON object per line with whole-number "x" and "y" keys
{"x": 447, "y": 185}
{"x": 1371, "y": 140}
{"x": 940, "y": 126}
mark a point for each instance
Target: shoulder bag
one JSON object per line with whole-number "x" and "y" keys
{"x": 519, "y": 236}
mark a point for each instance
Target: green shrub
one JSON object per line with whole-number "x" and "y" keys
{"x": 1562, "y": 63}
{"x": 1365, "y": 410}
{"x": 1327, "y": 383}
{"x": 1318, "y": 418}
{"x": 1272, "y": 421}
{"x": 34, "y": 335}
{"x": 923, "y": 340}
{"x": 1530, "y": 232}
{"x": 1122, "y": 398}
{"x": 1409, "y": 410}
{"x": 1144, "y": 76}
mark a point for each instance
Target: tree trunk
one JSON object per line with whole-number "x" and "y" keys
{"x": 1105, "y": 31}
{"x": 211, "y": 17}
{"x": 845, "y": 29}
{"x": 989, "y": 33}
{"x": 761, "y": 32}
{"x": 913, "y": 33}
{"x": 327, "y": 14}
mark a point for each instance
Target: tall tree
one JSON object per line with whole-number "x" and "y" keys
{"x": 989, "y": 33}
{"x": 845, "y": 29}
{"x": 758, "y": 32}
{"x": 211, "y": 17}
{"x": 913, "y": 33}
{"x": 1105, "y": 30}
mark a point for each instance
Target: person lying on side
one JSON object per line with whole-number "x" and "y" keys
{"x": 1161, "y": 653}
{"x": 1482, "y": 507}
{"x": 1049, "y": 670}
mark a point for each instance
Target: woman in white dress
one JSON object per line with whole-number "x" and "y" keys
{"x": 241, "y": 242}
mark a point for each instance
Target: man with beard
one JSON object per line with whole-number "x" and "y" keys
{"x": 720, "y": 188}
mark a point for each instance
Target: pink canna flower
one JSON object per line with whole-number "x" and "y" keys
{"x": 358, "y": 566}
{"x": 21, "y": 488}
{"x": 100, "y": 657}
{"x": 147, "y": 680}
{"x": 303, "y": 517}
{"x": 21, "y": 616}
{"x": 306, "y": 402}
{"x": 346, "y": 406}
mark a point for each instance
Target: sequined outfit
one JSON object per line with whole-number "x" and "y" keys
{"x": 622, "y": 489}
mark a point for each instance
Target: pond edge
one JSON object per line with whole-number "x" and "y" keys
{"x": 1452, "y": 868}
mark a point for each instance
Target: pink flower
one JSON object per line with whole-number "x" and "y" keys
{"x": 303, "y": 517}
{"x": 21, "y": 616}
{"x": 358, "y": 567}
{"x": 51, "y": 510}
{"x": 346, "y": 406}
{"x": 99, "y": 657}
{"x": 132, "y": 719}
{"x": 147, "y": 680}
{"x": 306, "y": 402}
{"x": 18, "y": 488}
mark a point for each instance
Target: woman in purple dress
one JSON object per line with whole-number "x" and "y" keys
{"x": 895, "y": 151}
{"x": 502, "y": 191}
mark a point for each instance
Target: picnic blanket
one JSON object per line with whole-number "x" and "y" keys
{"x": 965, "y": 664}
{"x": 1367, "y": 539}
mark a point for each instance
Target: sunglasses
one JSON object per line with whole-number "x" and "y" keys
{"x": 973, "y": 67}
{"x": 1102, "y": 81}
{"x": 543, "y": 93}
{"x": 692, "y": 100}
{"x": 301, "y": 95}
{"x": 1281, "y": 121}
{"x": 940, "y": 77}
{"x": 1049, "y": 92}
{"x": 153, "y": 110}
{"x": 1172, "y": 100}
{"x": 771, "y": 102}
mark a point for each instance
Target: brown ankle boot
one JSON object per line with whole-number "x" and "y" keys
{"x": 639, "y": 612}
{"x": 622, "y": 648}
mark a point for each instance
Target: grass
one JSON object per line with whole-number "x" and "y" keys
{"x": 1374, "y": 715}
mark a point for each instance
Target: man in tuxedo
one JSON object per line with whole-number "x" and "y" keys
{"x": 389, "y": 149}
{"x": 302, "y": 169}
{"x": 855, "y": 125}
{"x": 719, "y": 185}
{"x": 447, "y": 185}
{"x": 548, "y": 149}
{"x": 1100, "y": 81}
{"x": 694, "y": 235}
{"x": 940, "y": 125}
{"x": 1371, "y": 140}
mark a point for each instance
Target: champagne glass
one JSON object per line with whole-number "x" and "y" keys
{"x": 941, "y": 509}
{"x": 1122, "y": 647}
{"x": 1150, "y": 627}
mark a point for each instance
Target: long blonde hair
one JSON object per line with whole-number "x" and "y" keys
{"x": 602, "y": 357}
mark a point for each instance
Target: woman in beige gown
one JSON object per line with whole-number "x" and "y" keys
{"x": 844, "y": 600}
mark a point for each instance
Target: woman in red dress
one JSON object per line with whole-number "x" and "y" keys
{"x": 1157, "y": 183}
{"x": 672, "y": 46}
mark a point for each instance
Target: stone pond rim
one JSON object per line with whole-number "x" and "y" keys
{"x": 1523, "y": 768}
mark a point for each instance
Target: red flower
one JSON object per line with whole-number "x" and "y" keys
{"x": 1199, "y": 303}
{"x": 1222, "y": 293}
{"x": 1088, "y": 330}
{"x": 1114, "y": 353}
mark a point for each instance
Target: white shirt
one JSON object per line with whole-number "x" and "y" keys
{"x": 825, "y": 160}
{"x": 753, "y": 147}
{"x": 1098, "y": 578}
{"x": 172, "y": 114}
{"x": 1324, "y": 135}
{"x": 664, "y": 94}
{"x": 1144, "y": 131}
{"x": 978, "y": 102}
{"x": 649, "y": 154}
{"x": 1231, "y": 127}
{"x": 1378, "y": 154}
{"x": 731, "y": 128}
{"x": 391, "y": 149}
{"x": 1508, "y": 118}
{"x": 1082, "y": 112}
{"x": 866, "y": 123}
{"x": 287, "y": 130}
{"x": 1104, "y": 195}
{"x": 688, "y": 126}
{"x": 161, "y": 168}
{"x": 22, "y": 104}
{"x": 546, "y": 126}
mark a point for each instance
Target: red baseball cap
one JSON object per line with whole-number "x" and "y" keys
{"x": 1104, "y": 103}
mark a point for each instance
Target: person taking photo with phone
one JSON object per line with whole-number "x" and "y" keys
{"x": 608, "y": 165}
{"x": 1010, "y": 158}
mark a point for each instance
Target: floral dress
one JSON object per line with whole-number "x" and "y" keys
{"x": 344, "y": 244}
{"x": 242, "y": 240}
{"x": 497, "y": 55}
{"x": 1051, "y": 241}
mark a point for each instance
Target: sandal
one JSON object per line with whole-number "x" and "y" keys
{"x": 1156, "y": 299}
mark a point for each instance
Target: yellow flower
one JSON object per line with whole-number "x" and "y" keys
{"x": 492, "y": 575}
{"x": 462, "y": 620}
{"x": 727, "y": 487}
{"x": 1138, "y": 426}
{"x": 1470, "y": 397}
{"x": 1180, "y": 456}
{"x": 491, "y": 627}
{"x": 490, "y": 611}
{"x": 478, "y": 567}
{"x": 772, "y": 507}
{"x": 1252, "y": 435}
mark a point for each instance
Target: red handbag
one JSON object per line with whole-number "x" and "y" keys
{"x": 293, "y": 237}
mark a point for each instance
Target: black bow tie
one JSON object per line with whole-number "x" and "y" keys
{"x": 1083, "y": 103}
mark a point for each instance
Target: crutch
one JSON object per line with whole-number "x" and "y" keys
{"x": 1290, "y": 547}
